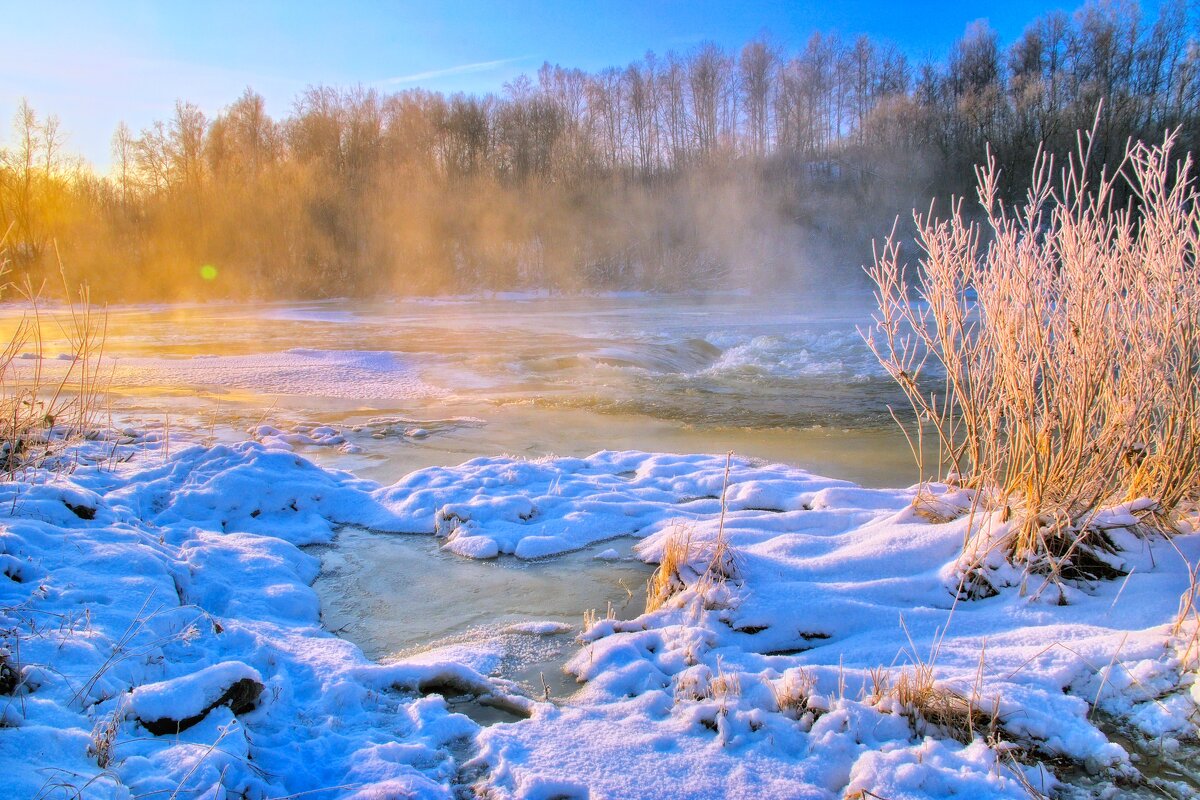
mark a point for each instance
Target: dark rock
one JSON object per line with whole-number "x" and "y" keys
{"x": 81, "y": 511}
{"x": 241, "y": 697}
{"x": 9, "y": 677}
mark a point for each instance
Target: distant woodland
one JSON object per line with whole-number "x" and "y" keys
{"x": 711, "y": 168}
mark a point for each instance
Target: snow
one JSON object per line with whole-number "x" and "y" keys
{"x": 177, "y": 587}
{"x": 545, "y": 628}
{"x": 143, "y": 590}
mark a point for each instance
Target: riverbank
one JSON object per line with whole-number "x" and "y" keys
{"x": 164, "y": 639}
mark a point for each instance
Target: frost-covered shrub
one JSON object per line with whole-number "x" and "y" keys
{"x": 1051, "y": 352}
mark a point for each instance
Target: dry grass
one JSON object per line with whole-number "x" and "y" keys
{"x": 725, "y": 688}
{"x": 915, "y": 692}
{"x": 689, "y": 563}
{"x": 40, "y": 414}
{"x": 929, "y": 703}
{"x": 667, "y": 579}
{"x": 1186, "y": 627}
{"x": 1051, "y": 354}
{"x": 682, "y": 557}
{"x": 592, "y": 618}
{"x": 793, "y": 691}
{"x": 722, "y": 689}
{"x": 104, "y": 737}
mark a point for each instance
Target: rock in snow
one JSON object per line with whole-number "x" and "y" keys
{"x": 177, "y": 704}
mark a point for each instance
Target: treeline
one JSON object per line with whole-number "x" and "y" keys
{"x": 711, "y": 168}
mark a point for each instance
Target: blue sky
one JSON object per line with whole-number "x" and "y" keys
{"x": 94, "y": 64}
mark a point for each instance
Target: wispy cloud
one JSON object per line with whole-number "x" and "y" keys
{"x": 461, "y": 69}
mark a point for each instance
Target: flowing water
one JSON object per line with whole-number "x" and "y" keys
{"x": 411, "y": 384}
{"x": 784, "y": 378}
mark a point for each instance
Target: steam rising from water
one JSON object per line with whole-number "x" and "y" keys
{"x": 735, "y": 361}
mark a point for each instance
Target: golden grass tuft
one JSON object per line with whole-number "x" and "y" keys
{"x": 932, "y": 704}
{"x": 677, "y": 568}
{"x": 592, "y": 618}
{"x": 793, "y": 691}
{"x": 667, "y": 579}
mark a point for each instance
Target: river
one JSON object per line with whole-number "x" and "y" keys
{"x": 407, "y": 384}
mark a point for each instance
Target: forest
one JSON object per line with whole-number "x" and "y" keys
{"x": 760, "y": 167}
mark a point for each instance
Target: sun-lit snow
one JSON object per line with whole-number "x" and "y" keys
{"x": 143, "y": 590}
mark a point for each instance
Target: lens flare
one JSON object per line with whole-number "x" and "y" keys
{"x": 208, "y": 272}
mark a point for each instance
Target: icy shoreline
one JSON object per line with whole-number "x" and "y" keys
{"x": 164, "y": 639}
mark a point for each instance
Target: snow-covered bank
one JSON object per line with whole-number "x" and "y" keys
{"x": 831, "y": 583}
{"x": 164, "y": 595}
{"x": 139, "y": 596}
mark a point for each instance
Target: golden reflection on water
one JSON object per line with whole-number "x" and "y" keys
{"x": 554, "y": 377}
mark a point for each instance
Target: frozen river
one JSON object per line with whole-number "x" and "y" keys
{"x": 382, "y": 389}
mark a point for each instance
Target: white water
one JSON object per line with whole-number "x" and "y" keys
{"x": 782, "y": 378}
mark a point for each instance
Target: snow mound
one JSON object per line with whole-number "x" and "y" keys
{"x": 534, "y": 509}
{"x": 190, "y": 697}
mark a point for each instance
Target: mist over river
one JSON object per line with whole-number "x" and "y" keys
{"x": 385, "y": 388}
{"x": 414, "y": 383}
